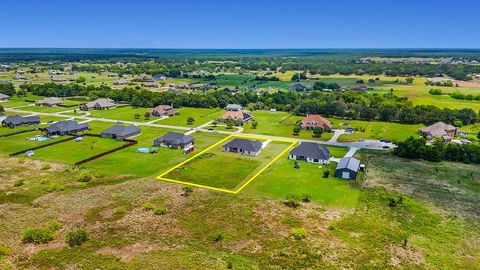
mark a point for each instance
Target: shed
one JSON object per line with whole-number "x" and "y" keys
{"x": 347, "y": 168}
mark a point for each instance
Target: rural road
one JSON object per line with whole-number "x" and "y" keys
{"x": 366, "y": 144}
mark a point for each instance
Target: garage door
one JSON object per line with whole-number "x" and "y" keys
{"x": 346, "y": 175}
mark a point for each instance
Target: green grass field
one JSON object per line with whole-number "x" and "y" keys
{"x": 70, "y": 152}
{"x": 280, "y": 124}
{"x": 282, "y": 179}
{"x": 122, "y": 113}
{"x": 20, "y": 141}
{"x": 200, "y": 115}
{"x": 375, "y": 130}
{"x": 231, "y": 169}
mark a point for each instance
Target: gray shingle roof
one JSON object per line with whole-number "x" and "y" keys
{"x": 3, "y": 96}
{"x": 244, "y": 144}
{"x": 348, "y": 163}
{"x": 122, "y": 131}
{"x": 311, "y": 150}
{"x": 174, "y": 138}
{"x": 17, "y": 120}
{"x": 66, "y": 126}
{"x": 298, "y": 87}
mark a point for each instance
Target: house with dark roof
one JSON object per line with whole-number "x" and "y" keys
{"x": 241, "y": 116}
{"x": 66, "y": 127}
{"x": 347, "y": 168}
{"x": 49, "y": 102}
{"x": 121, "y": 81}
{"x": 143, "y": 79}
{"x": 314, "y": 120}
{"x": 162, "y": 111}
{"x": 439, "y": 129}
{"x": 298, "y": 87}
{"x": 4, "y": 97}
{"x": 151, "y": 85}
{"x": 310, "y": 152}
{"x": 98, "y": 104}
{"x": 173, "y": 91}
{"x": 120, "y": 132}
{"x": 13, "y": 121}
{"x": 243, "y": 146}
{"x": 20, "y": 77}
{"x": 233, "y": 107}
{"x": 174, "y": 140}
{"x": 112, "y": 75}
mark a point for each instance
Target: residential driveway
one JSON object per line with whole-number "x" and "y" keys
{"x": 351, "y": 152}
{"x": 337, "y": 134}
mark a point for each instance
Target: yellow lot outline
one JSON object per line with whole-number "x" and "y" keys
{"x": 246, "y": 182}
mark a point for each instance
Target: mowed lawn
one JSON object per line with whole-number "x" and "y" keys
{"x": 123, "y": 113}
{"x": 225, "y": 170}
{"x": 16, "y": 101}
{"x": 71, "y": 151}
{"x": 280, "y": 124}
{"x": 200, "y": 115}
{"x": 20, "y": 142}
{"x": 376, "y": 130}
{"x": 128, "y": 162}
{"x": 282, "y": 179}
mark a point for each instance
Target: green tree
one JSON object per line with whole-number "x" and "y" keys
{"x": 81, "y": 79}
{"x": 229, "y": 123}
{"x": 254, "y": 124}
{"x": 317, "y": 132}
{"x": 296, "y": 130}
{"x": 190, "y": 120}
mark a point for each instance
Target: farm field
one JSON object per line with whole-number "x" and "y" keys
{"x": 231, "y": 169}
{"x": 200, "y": 115}
{"x": 282, "y": 179}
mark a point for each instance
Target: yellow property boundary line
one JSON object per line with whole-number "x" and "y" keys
{"x": 161, "y": 177}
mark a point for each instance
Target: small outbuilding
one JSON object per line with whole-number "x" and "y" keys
{"x": 310, "y": 152}
{"x": 243, "y": 146}
{"x": 174, "y": 140}
{"x": 66, "y": 127}
{"x": 13, "y": 121}
{"x": 347, "y": 168}
{"x": 233, "y": 107}
{"x": 119, "y": 132}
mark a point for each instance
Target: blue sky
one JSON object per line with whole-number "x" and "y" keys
{"x": 241, "y": 24}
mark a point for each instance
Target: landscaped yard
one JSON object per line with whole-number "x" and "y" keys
{"x": 282, "y": 179}
{"x": 280, "y": 124}
{"x": 20, "y": 142}
{"x": 200, "y": 115}
{"x": 225, "y": 170}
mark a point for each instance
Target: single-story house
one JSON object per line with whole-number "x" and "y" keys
{"x": 310, "y": 152}
{"x": 151, "y": 85}
{"x": 159, "y": 77}
{"x": 174, "y": 140}
{"x": 143, "y": 79}
{"x": 112, "y": 75}
{"x": 298, "y": 87}
{"x": 347, "y": 168}
{"x": 119, "y": 132}
{"x": 206, "y": 87}
{"x": 173, "y": 91}
{"x": 121, "y": 81}
{"x": 243, "y": 146}
{"x": 49, "y": 101}
{"x": 99, "y": 104}
{"x": 236, "y": 116}
{"x": 233, "y": 107}
{"x": 14, "y": 121}
{"x": 20, "y": 77}
{"x": 58, "y": 79}
{"x": 6, "y": 82}
{"x": 162, "y": 110}
{"x": 4, "y": 97}
{"x": 439, "y": 129}
{"x": 315, "y": 120}
{"x": 184, "y": 86}
{"x": 65, "y": 127}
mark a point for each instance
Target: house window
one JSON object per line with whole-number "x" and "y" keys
{"x": 315, "y": 160}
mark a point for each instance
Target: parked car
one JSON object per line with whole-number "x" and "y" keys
{"x": 386, "y": 147}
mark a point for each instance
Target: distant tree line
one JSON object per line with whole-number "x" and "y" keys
{"x": 350, "y": 105}
{"x": 417, "y": 148}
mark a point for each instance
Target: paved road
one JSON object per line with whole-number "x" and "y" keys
{"x": 366, "y": 144}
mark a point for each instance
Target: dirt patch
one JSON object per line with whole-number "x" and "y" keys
{"x": 400, "y": 255}
{"x": 467, "y": 84}
{"x": 128, "y": 252}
